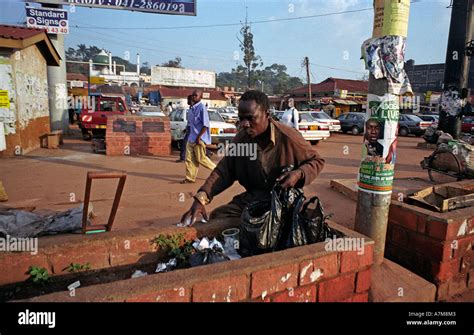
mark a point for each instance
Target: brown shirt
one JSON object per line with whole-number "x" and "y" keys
{"x": 287, "y": 147}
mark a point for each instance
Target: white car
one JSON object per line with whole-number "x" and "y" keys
{"x": 324, "y": 119}
{"x": 229, "y": 114}
{"x": 221, "y": 131}
{"x": 150, "y": 111}
{"x": 311, "y": 129}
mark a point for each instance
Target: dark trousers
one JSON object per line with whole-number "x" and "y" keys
{"x": 182, "y": 154}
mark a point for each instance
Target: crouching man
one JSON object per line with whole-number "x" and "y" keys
{"x": 278, "y": 146}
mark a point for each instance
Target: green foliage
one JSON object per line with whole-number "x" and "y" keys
{"x": 38, "y": 275}
{"x": 176, "y": 246}
{"x": 173, "y": 63}
{"x": 76, "y": 267}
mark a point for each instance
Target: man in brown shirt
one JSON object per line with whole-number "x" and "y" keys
{"x": 278, "y": 146}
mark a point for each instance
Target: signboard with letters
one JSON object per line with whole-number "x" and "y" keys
{"x": 54, "y": 21}
{"x": 174, "y": 7}
{"x": 170, "y": 76}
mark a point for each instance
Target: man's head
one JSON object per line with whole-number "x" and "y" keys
{"x": 254, "y": 113}
{"x": 291, "y": 103}
{"x": 373, "y": 131}
{"x": 196, "y": 96}
{"x": 190, "y": 100}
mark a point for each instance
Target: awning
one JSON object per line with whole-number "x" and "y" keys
{"x": 345, "y": 102}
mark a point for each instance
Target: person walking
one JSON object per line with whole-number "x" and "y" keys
{"x": 291, "y": 116}
{"x": 199, "y": 137}
{"x": 182, "y": 154}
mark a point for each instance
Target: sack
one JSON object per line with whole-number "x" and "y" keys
{"x": 286, "y": 221}
{"x": 208, "y": 256}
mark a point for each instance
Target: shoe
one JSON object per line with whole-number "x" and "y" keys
{"x": 180, "y": 161}
{"x": 186, "y": 181}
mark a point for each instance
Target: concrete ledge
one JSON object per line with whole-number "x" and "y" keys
{"x": 393, "y": 283}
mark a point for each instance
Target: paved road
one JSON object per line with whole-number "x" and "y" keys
{"x": 51, "y": 179}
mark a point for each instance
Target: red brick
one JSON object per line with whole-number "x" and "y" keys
{"x": 358, "y": 297}
{"x": 336, "y": 289}
{"x": 442, "y": 291}
{"x": 363, "y": 281}
{"x": 443, "y": 230}
{"x": 445, "y": 270}
{"x": 269, "y": 281}
{"x": 299, "y": 294}
{"x": 433, "y": 249}
{"x": 403, "y": 216}
{"x": 421, "y": 224}
{"x": 399, "y": 235}
{"x": 14, "y": 266}
{"x": 471, "y": 278}
{"x": 458, "y": 285}
{"x": 174, "y": 295}
{"x": 229, "y": 289}
{"x": 97, "y": 255}
{"x": 351, "y": 261}
{"x": 320, "y": 268}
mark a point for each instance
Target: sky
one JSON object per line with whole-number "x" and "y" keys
{"x": 332, "y": 43}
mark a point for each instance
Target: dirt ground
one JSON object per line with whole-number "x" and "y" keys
{"x": 54, "y": 180}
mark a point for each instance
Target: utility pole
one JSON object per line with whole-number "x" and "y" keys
{"x": 377, "y": 169}
{"x": 456, "y": 73}
{"x": 308, "y": 78}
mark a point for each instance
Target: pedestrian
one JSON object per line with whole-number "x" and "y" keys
{"x": 199, "y": 138}
{"x": 169, "y": 108}
{"x": 291, "y": 116}
{"x": 278, "y": 147}
{"x": 182, "y": 154}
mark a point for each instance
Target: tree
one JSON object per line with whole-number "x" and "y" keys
{"x": 251, "y": 60}
{"x": 173, "y": 63}
{"x": 145, "y": 68}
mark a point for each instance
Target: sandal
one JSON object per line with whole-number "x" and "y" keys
{"x": 187, "y": 181}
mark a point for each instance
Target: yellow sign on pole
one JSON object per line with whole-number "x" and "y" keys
{"x": 4, "y": 99}
{"x": 97, "y": 80}
{"x": 391, "y": 18}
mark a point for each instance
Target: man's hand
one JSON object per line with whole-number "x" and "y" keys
{"x": 290, "y": 179}
{"x": 198, "y": 141}
{"x": 192, "y": 215}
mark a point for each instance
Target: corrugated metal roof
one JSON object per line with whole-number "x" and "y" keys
{"x": 18, "y": 33}
{"x": 332, "y": 84}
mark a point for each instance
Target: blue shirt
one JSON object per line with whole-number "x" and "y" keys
{"x": 199, "y": 118}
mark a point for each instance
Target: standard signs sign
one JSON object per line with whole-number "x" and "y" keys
{"x": 176, "y": 7}
{"x": 54, "y": 21}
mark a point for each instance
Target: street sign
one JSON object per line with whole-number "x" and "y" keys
{"x": 54, "y": 21}
{"x": 4, "y": 99}
{"x": 175, "y": 7}
{"x": 97, "y": 80}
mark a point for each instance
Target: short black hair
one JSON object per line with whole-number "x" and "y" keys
{"x": 260, "y": 98}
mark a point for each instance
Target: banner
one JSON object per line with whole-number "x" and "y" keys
{"x": 176, "y": 7}
{"x": 380, "y": 144}
{"x": 391, "y": 18}
{"x": 54, "y": 21}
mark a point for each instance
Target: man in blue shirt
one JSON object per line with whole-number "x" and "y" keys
{"x": 199, "y": 137}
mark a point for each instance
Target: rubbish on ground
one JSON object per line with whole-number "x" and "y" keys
{"x": 17, "y": 223}
{"x": 208, "y": 252}
{"x": 166, "y": 267}
{"x": 138, "y": 274}
{"x": 231, "y": 243}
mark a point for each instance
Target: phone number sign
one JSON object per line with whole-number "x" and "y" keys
{"x": 176, "y": 7}
{"x": 54, "y": 21}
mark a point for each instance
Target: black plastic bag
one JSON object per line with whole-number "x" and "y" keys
{"x": 208, "y": 256}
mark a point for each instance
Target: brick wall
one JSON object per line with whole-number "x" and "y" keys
{"x": 136, "y": 135}
{"x": 436, "y": 246}
{"x": 305, "y": 274}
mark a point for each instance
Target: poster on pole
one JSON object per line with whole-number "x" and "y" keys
{"x": 174, "y": 7}
{"x": 380, "y": 144}
{"x": 54, "y": 21}
{"x": 391, "y": 18}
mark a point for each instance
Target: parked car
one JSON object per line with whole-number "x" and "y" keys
{"x": 353, "y": 122}
{"x": 323, "y": 118}
{"x": 433, "y": 119}
{"x": 412, "y": 124}
{"x": 93, "y": 118}
{"x": 221, "y": 131}
{"x": 229, "y": 114}
{"x": 468, "y": 124}
{"x": 150, "y": 111}
{"x": 311, "y": 129}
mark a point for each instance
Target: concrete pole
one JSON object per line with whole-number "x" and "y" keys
{"x": 57, "y": 85}
{"x": 456, "y": 73}
{"x": 373, "y": 208}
